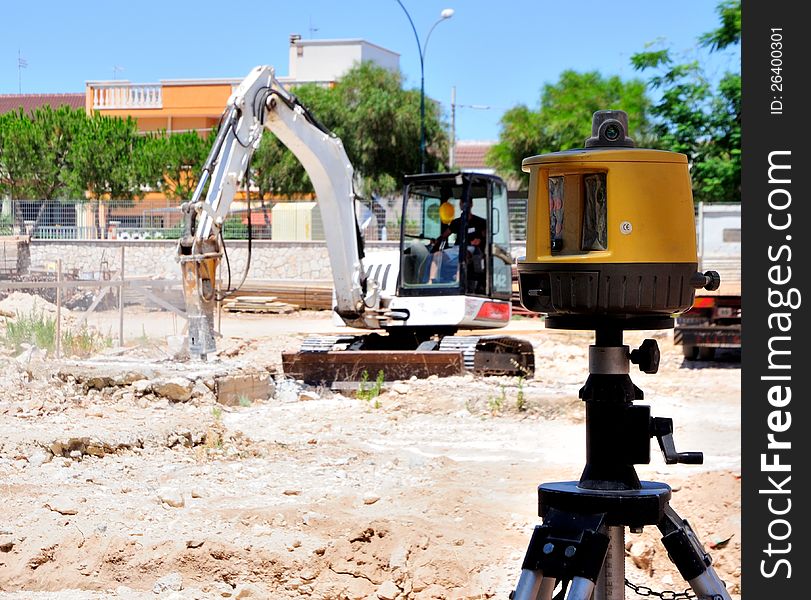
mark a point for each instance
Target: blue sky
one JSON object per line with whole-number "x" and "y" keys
{"x": 497, "y": 54}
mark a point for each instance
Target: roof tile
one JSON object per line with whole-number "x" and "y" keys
{"x": 28, "y": 102}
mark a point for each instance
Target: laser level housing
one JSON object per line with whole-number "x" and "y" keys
{"x": 610, "y": 233}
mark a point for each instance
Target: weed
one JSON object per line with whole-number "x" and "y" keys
{"x": 34, "y": 328}
{"x": 370, "y": 391}
{"x": 84, "y": 341}
{"x": 496, "y": 403}
{"x": 520, "y": 400}
{"x": 143, "y": 339}
{"x": 216, "y": 412}
{"x": 244, "y": 401}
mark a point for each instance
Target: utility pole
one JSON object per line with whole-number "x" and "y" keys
{"x": 21, "y": 64}
{"x": 453, "y": 130}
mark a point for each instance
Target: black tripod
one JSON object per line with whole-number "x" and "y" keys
{"x": 580, "y": 543}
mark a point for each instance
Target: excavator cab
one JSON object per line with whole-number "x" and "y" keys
{"x": 455, "y": 236}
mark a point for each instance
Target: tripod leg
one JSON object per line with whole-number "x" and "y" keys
{"x": 687, "y": 553}
{"x": 532, "y": 585}
{"x": 581, "y": 589}
{"x": 611, "y": 583}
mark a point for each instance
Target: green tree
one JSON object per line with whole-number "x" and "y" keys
{"x": 17, "y": 156}
{"x": 171, "y": 162}
{"x": 563, "y": 119}
{"x": 100, "y": 163}
{"x": 380, "y": 127}
{"x": 33, "y": 151}
{"x": 697, "y": 117}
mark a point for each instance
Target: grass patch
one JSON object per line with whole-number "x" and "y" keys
{"x": 38, "y": 329}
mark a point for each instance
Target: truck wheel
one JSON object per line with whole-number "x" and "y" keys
{"x": 690, "y": 352}
{"x": 705, "y": 353}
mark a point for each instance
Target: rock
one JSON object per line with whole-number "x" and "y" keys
{"x": 401, "y": 388}
{"x": 94, "y": 447}
{"x": 306, "y": 395}
{"x": 124, "y": 591}
{"x": 641, "y": 553}
{"x": 63, "y": 505}
{"x": 398, "y": 558}
{"x": 171, "y": 497}
{"x": 76, "y": 454}
{"x": 370, "y": 498}
{"x": 234, "y": 390}
{"x": 249, "y": 590}
{"x": 6, "y": 543}
{"x": 172, "y": 582}
{"x": 194, "y": 543}
{"x": 39, "y": 457}
{"x": 176, "y": 389}
{"x": 388, "y": 590}
{"x": 220, "y": 589}
{"x": 142, "y": 386}
{"x": 292, "y": 492}
{"x": 201, "y": 392}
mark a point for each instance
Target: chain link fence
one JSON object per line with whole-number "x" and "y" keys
{"x": 160, "y": 219}
{"x": 61, "y": 313}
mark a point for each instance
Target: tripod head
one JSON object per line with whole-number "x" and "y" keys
{"x": 618, "y": 432}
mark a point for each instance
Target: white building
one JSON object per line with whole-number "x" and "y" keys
{"x": 324, "y": 61}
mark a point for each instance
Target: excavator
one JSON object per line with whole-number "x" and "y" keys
{"x": 453, "y": 270}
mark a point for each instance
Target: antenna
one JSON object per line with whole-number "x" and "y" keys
{"x": 117, "y": 69}
{"x": 311, "y": 28}
{"x": 21, "y": 64}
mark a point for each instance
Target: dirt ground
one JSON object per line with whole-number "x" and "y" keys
{"x": 118, "y": 488}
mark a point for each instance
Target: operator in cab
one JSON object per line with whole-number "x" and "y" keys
{"x": 468, "y": 231}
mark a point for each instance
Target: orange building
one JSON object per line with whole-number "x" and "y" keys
{"x": 197, "y": 104}
{"x": 171, "y": 105}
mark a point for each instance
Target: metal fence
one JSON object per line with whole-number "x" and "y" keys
{"x": 161, "y": 219}
{"x": 53, "y": 311}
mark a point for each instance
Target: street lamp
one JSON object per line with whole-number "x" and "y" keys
{"x": 446, "y": 13}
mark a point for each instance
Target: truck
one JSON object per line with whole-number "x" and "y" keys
{"x": 714, "y": 320}
{"x": 412, "y": 302}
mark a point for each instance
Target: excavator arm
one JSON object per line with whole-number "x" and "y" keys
{"x": 261, "y": 102}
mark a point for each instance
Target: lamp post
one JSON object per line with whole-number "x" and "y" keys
{"x": 446, "y": 13}
{"x": 454, "y": 106}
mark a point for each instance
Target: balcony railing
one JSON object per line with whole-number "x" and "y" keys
{"x": 122, "y": 94}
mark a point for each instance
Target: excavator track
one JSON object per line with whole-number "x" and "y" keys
{"x": 493, "y": 354}
{"x": 325, "y": 360}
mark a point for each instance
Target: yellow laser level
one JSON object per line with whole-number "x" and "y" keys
{"x": 610, "y": 233}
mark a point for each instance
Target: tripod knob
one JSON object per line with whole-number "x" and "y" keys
{"x": 647, "y": 357}
{"x": 709, "y": 280}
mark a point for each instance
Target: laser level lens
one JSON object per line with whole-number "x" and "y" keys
{"x": 612, "y": 133}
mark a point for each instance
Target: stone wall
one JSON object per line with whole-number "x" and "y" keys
{"x": 155, "y": 259}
